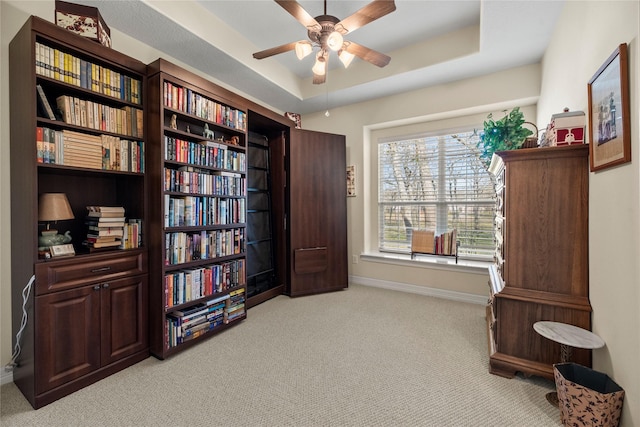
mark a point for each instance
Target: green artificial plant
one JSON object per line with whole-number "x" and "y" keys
{"x": 504, "y": 134}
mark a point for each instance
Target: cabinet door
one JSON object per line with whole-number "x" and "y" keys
{"x": 67, "y": 331}
{"x": 317, "y": 217}
{"x": 124, "y": 318}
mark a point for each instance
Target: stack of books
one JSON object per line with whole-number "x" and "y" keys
{"x": 105, "y": 227}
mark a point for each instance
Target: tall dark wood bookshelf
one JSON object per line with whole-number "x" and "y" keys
{"x": 197, "y": 167}
{"x": 86, "y": 314}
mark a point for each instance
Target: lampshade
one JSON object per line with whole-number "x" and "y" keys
{"x": 303, "y": 48}
{"x": 54, "y": 207}
{"x": 334, "y": 41}
{"x": 319, "y": 68}
{"x": 345, "y": 57}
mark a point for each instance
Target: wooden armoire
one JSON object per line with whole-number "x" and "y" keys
{"x": 541, "y": 270}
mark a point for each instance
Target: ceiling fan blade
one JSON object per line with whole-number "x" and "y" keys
{"x": 298, "y": 12}
{"x": 275, "y": 50}
{"x": 369, "y": 13}
{"x": 369, "y": 55}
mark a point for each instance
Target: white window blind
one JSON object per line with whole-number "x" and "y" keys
{"x": 435, "y": 182}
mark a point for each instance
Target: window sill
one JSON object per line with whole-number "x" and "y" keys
{"x": 429, "y": 261}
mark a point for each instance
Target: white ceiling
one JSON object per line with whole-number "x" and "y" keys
{"x": 430, "y": 42}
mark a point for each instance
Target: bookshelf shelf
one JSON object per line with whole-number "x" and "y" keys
{"x": 198, "y": 205}
{"x": 77, "y": 293}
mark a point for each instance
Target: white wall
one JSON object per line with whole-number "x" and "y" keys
{"x": 588, "y": 34}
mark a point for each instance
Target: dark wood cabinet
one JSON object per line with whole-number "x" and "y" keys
{"x": 86, "y": 315}
{"x": 197, "y": 240}
{"x": 541, "y": 270}
{"x": 83, "y": 329}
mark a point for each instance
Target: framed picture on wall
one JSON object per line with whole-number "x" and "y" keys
{"x": 609, "y": 127}
{"x": 351, "y": 181}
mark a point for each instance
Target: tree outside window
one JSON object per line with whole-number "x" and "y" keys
{"x": 435, "y": 182}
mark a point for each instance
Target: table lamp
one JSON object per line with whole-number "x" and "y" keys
{"x": 53, "y": 207}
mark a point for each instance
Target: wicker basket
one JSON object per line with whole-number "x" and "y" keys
{"x": 532, "y": 141}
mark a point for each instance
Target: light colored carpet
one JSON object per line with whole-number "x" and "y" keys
{"x": 361, "y": 357}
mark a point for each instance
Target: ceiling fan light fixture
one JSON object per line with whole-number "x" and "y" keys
{"x": 334, "y": 41}
{"x": 319, "y": 67}
{"x": 345, "y": 57}
{"x": 326, "y": 32}
{"x": 303, "y": 49}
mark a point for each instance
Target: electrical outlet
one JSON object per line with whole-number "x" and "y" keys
{"x": 354, "y": 259}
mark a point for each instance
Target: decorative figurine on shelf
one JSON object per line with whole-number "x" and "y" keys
{"x": 188, "y": 129}
{"x": 234, "y": 140}
{"x": 294, "y": 117}
{"x": 174, "y": 122}
{"x": 207, "y": 133}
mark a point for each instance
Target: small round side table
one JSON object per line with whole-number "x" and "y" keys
{"x": 569, "y": 336}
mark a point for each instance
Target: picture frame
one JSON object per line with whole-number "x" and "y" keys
{"x": 351, "y": 181}
{"x": 609, "y": 126}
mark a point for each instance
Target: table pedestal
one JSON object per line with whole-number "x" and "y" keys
{"x": 568, "y": 336}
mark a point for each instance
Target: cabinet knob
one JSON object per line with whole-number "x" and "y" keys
{"x": 96, "y": 288}
{"x": 106, "y": 285}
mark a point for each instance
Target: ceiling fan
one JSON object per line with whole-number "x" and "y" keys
{"x": 326, "y": 32}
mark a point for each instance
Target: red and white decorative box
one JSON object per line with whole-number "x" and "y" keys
{"x": 568, "y": 128}
{"x": 83, "y": 20}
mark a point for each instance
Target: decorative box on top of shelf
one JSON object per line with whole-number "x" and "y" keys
{"x": 198, "y": 204}
{"x": 85, "y": 21}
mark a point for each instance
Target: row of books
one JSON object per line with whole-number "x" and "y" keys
{"x": 194, "y": 283}
{"x": 192, "y": 322}
{"x": 190, "y": 180}
{"x": 124, "y": 121}
{"x": 206, "y": 244}
{"x": 190, "y": 102}
{"x": 107, "y": 228}
{"x": 209, "y": 154}
{"x": 56, "y": 64}
{"x": 446, "y": 243}
{"x": 192, "y": 211}
{"x": 79, "y": 149}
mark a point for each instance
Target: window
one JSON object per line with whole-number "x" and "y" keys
{"x": 435, "y": 182}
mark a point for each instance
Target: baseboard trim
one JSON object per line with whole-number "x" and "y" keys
{"x": 6, "y": 377}
{"x": 421, "y": 290}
